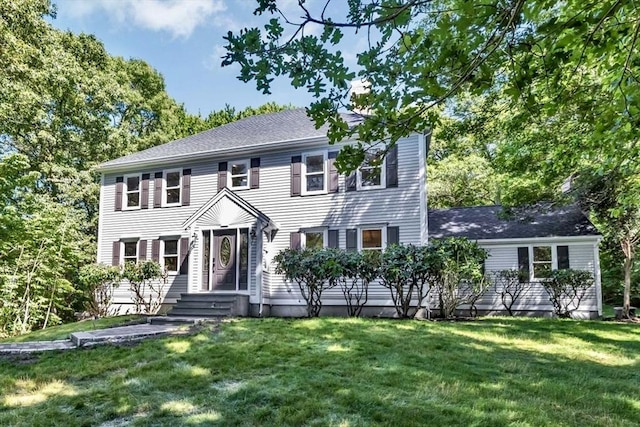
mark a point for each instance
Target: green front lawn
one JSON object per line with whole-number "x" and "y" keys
{"x": 342, "y": 372}
{"x": 62, "y": 332}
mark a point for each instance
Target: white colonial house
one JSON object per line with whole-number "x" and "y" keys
{"x": 216, "y": 207}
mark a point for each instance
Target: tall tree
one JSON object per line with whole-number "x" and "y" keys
{"x": 569, "y": 66}
{"x": 65, "y": 106}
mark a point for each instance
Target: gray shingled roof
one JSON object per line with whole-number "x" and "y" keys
{"x": 288, "y": 125}
{"x": 485, "y": 222}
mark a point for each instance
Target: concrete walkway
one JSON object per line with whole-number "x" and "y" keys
{"x": 89, "y": 338}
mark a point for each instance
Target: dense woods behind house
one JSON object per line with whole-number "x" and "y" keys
{"x": 67, "y": 105}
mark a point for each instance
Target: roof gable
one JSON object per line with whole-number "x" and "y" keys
{"x": 225, "y": 209}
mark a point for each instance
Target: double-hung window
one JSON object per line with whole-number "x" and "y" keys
{"x": 372, "y": 238}
{"x": 240, "y": 175}
{"x": 130, "y": 254}
{"x": 170, "y": 255}
{"x": 371, "y": 172}
{"x": 132, "y": 191}
{"x": 314, "y": 173}
{"x": 542, "y": 262}
{"x": 172, "y": 187}
{"x": 537, "y": 262}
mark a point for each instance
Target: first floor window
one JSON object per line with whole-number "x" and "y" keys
{"x": 170, "y": 256}
{"x": 130, "y": 252}
{"x": 240, "y": 175}
{"x": 314, "y": 239}
{"x": 372, "y": 239}
{"x": 172, "y": 187}
{"x": 542, "y": 262}
{"x": 132, "y": 192}
{"x": 314, "y": 172}
{"x": 538, "y": 262}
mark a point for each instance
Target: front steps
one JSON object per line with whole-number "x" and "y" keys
{"x": 210, "y": 306}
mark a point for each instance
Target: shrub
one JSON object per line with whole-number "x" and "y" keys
{"x": 510, "y": 285}
{"x": 146, "y": 282}
{"x": 312, "y": 270}
{"x": 404, "y": 270}
{"x": 456, "y": 273}
{"x": 99, "y": 282}
{"x": 566, "y": 289}
{"x": 359, "y": 270}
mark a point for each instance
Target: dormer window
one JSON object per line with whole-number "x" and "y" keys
{"x": 132, "y": 191}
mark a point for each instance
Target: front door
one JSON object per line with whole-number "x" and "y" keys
{"x": 224, "y": 260}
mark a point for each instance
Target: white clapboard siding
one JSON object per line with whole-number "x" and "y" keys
{"x": 399, "y": 207}
{"x": 581, "y": 257}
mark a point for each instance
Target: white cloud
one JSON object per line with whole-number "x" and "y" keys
{"x": 177, "y": 17}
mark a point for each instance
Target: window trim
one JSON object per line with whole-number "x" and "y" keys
{"x": 383, "y": 177}
{"x": 383, "y": 231}
{"x": 230, "y": 164}
{"x": 323, "y": 230}
{"x": 165, "y": 188}
{"x": 123, "y": 257}
{"x": 554, "y": 258}
{"x": 325, "y": 172}
{"x": 125, "y": 192}
{"x": 177, "y": 255}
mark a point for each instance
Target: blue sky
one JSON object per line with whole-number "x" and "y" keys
{"x": 182, "y": 39}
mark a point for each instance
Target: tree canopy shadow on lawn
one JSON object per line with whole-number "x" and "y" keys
{"x": 332, "y": 371}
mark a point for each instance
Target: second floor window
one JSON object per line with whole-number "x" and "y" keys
{"x": 132, "y": 191}
{"x": 371, "y": 173}
{"x": 240, "y": 175}
{"x": 314, "y": 173}
{"x": 172, "y": 187}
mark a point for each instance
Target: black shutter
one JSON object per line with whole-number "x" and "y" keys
{"x": 184, "y": 255}
{"x": 255, "y": 173}
{"x": 352, "y": 239}
{"x": 157, "y": 190}
{"x": 350, "y": 181}
{"x": 523, "y": 263}
{"x": 333, "y": 172}
{"x": 119, "y": 185}
{"x": 393, "y": 236}
{"x": 144, "y": 193}
{"x": 296, "y": 178}
{"x": 186, "y": 187}
{"x": 155, "y": 250}
{"x": 222, "y": 175}
{"x": 115, "y": 253}
{"x": 563, "y": 257}
{"x": 294, "y": 241}
{"x": 392, "y": 167}
{"x": 142, "y": 250}
{"x": 334, "y": 238}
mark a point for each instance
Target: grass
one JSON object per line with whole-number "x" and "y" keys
{"x": 61, "y": 332}
{"x": 341, "y": 372}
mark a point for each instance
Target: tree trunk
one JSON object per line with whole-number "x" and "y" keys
{"x": 627, "y": 249}
{"x": 626, "y": 304}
